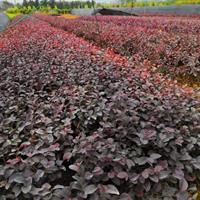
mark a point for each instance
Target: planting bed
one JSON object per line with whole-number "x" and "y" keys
{"x": 171, "y": 44}
{"x": 81, "y": 122}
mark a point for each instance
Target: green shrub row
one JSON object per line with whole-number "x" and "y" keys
{"x": 27, "y": 10}
{"x": 130, "y": 3}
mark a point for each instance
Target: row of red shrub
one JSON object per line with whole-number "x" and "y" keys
{"x": 78, "y": 122}
{"x": 171, "y": 15}
{"x": 178, "y": 53}
{"x": 166, "y": 23}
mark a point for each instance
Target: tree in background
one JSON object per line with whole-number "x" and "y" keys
{"x": 37, "y": 4}
{"x": 89, "y": 4}
{"x": 52, "y": 3}
{"x": 47, "y": 6}
{"x": 25, "y": 3}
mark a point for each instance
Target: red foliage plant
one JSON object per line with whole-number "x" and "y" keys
{"x": 80, "y": 122}
{"x": 172, "y": 44}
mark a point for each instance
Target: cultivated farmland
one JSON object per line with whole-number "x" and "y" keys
{"x": 95, "y": 108}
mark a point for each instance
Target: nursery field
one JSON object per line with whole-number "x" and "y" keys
{"x": 170, "y": 43}
{"x": 100, "y": 108}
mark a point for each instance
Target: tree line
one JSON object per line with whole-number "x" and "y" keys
{"x": 59, "y": 4}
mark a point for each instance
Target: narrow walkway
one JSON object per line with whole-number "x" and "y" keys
{"x": 3, "y": 21}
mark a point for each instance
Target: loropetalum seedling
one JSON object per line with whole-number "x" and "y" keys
{"x": 171, "y": 44}
{"x": 80, "y": 122}
{"x": 175, "y": 24}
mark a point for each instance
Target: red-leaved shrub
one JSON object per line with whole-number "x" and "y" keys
{"x": 80, "y": 122}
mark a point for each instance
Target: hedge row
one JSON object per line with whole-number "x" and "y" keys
{"x": 80, "y": 122}
{"x": 172, "y": 52}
